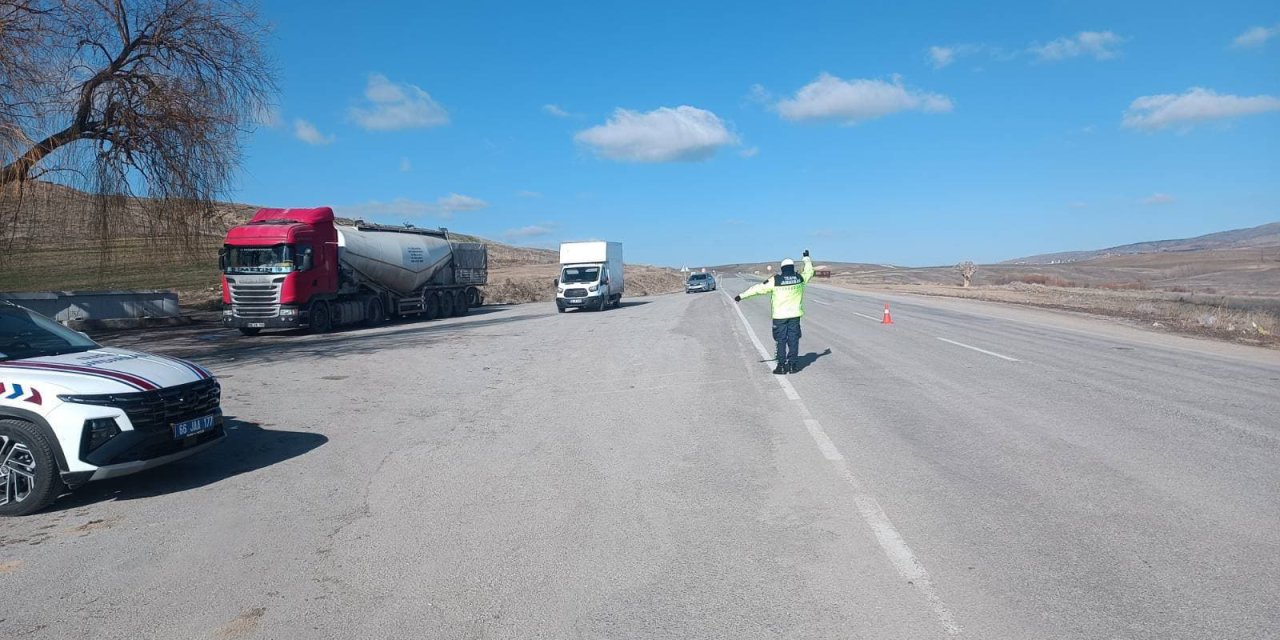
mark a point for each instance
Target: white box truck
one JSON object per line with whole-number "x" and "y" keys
{"x": 590, "y": 276}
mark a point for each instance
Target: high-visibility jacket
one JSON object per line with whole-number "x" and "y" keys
{"x": 787, "y": 292}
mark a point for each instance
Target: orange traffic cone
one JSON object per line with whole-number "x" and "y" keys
{"x": 888, "y": 319}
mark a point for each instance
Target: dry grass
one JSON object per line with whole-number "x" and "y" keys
{"x": 57, "y": 250}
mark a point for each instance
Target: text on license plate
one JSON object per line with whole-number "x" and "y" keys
{"x": 192, "y": 427}
{"x": 575, "y": 300}
{"x": 257, "y": 325}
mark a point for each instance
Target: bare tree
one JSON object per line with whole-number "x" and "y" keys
{"x": 130, "y": 97}
{"x": 966, "y": 270}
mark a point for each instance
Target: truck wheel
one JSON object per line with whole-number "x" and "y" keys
{"x": 432, "y": 307}
{"x": 373, "y": 314}
{"x": 321, "y": 321}
{"x": 448, "y": 305}
{"x": 250, "y": 331}
{"x": 29, "y": 478}
{"x": 461, "y": 306}
{"x": 473, "y": 297}
{"x": 617, "y": 302}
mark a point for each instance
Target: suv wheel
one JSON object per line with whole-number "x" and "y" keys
{"x": 29, "y": 478}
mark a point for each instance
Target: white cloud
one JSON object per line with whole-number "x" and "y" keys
{"x": 1158, "y": 198}
{"x": 405, "y": 165}
{"x": 759, "y": 94}
{"x": 529, "y": 194}
{"x": 682, "y": 134}
{"x": 391, "y": 106}
{"x": 308, "y": 133}
{"x": 1101, "y": 45}
{"x": 1255, "y": 37}
{"x": 405, "y": 208}
{"x": 531, "y": 231}
{"x": 1197, "y": 105}
{"x": 458, "y": 202}
{"x": 853, "y": 101}
{"x": 750, "y": 152}
{"x": 555, "y": 110}
{"x": 942, "y": 56}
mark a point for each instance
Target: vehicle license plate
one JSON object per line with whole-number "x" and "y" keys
{"x": 257, "y": 325}
{"x": 193, "y": 427}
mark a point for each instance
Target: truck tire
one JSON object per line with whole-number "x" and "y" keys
{"x": 448, "y": 304}
{"x": 250, "y": 331}
{"x": 617, "y": 302}
{"x": 462, "y": 306}
{"x": 432, "y": 307}
{"x": 319, "y": 318}
{"x": 29, "y": 479}
{"x": 373, "y": 312}
{"x": 474, "y": 297}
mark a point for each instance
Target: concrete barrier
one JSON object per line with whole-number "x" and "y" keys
{"x": 92, "y": 309}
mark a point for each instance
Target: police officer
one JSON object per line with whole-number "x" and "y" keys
{"x": 787, "y": 291}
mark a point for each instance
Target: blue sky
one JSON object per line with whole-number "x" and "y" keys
{"x": 895, "y": 132}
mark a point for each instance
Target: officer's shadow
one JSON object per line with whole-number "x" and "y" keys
{"x": 803, "y": 362}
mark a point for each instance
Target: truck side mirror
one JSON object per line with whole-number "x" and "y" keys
{"x": 222, "y": 259}
{"x": 556, "y": 282}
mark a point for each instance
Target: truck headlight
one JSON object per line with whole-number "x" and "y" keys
{"x": 593, "y": 288}
{"x": 287, "y": 311}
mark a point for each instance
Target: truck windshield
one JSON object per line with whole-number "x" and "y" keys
{"x": 580, "y": 275}
{"x": 277, "y": 259}
{"x": 24, "y": 334}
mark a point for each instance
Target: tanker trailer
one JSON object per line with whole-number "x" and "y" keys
{"x": 291, "y": 268}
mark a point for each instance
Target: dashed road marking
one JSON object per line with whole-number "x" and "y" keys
{"x": 891, "y": 542}
{"x": 990, "y": 353}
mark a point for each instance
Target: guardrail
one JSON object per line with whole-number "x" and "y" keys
{"x": 73, "y": 307}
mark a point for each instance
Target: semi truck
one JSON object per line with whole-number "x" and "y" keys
{"x": 291, "y": 268}
{"x": 590, "y": 276}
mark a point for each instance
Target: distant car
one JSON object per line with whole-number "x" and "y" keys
{"x": 73, "y": 412}
{"x": 700, "y": 282}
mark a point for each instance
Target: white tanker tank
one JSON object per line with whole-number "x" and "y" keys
{"x": 402, "y": 261}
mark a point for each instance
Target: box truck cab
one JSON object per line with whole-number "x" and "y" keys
{"x": 590, "y": 276}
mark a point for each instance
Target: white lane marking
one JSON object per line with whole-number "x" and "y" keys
{"x": 863, "y": 315}
{"x": 825, "y": 304}
{"x": 891, "y": 542}
{"x": 990, "y": 353}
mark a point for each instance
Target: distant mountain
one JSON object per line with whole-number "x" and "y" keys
{"x": 1267, "y": 235}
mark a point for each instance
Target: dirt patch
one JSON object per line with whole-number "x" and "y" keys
{"x": 94, "y": 525}
{"x": 9, "y": 566}
{"x": 242, "y": 625}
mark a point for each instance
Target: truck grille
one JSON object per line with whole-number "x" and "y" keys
{"x": 259, "y": 299}
{"x": 575, "y": 293}
{"x": 155, "y": 411}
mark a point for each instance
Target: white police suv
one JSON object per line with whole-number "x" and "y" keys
{"x": 72, "y": 411}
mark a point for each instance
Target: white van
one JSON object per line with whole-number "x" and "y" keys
{"x": 590, "y": 276}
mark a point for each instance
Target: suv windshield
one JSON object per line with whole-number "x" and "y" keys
{"x": 579, "y": 275}
{"x": 697, "y": 276}
{"x": 277, "y": 259}
{"x": 24, "y": 334}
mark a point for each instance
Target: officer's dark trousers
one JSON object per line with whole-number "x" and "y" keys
{"x": 787, "y": 334}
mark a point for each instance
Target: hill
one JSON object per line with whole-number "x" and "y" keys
{"x": 1263, "y": 236}
{"x": 53, "y": 240}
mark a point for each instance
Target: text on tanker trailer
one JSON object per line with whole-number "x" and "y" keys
{"x": 590, "y": 276}
{"x": 292, "y": 268}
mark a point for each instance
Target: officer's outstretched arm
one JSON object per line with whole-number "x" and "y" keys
{"x": 760, "y": 289}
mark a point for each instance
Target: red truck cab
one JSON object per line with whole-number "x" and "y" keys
{"x": 276, "y": 266}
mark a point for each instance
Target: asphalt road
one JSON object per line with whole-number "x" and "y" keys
{"x": 971, "y": 471}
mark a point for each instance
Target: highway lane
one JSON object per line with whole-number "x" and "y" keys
{"x": 639, "y": 473}
{"x": 1107, "y": 483}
